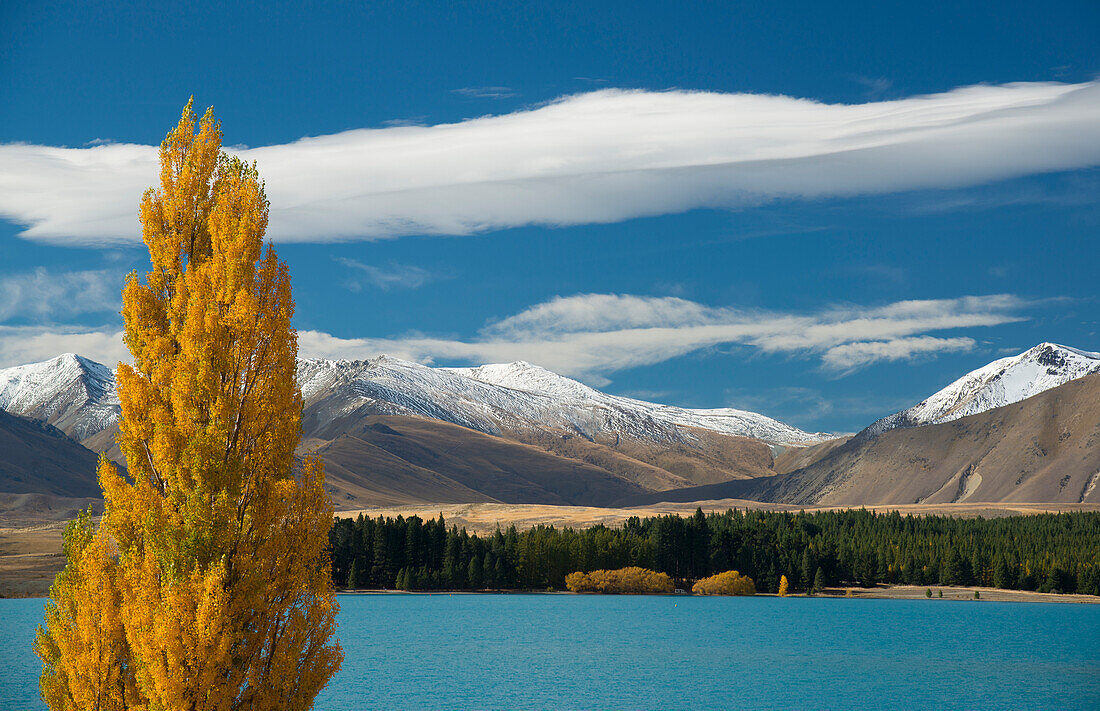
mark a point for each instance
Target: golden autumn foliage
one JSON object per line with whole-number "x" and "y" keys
{"x": 207, "y": 583}
{"x": 783, "y": 586}
{"x": 623, "y": 580}
{"x": 728, "y": 583}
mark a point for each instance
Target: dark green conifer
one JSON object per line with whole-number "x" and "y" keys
{"x": 474, "y": 573}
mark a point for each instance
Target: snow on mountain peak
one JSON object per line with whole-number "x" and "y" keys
{"x": 78, "y": 396}
{"x": 571, "y": 393}
{"x": 521, "y": 375}
{"x": 1002, "y": 382}
{"x": 70, "y": 392}
{"x": 519, "y": 395}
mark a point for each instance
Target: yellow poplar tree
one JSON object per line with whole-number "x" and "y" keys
{"x": 207, "y": 584}
{"x": 783, "y": 586}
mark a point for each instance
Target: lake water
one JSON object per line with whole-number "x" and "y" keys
{"x": 595, "y": 652}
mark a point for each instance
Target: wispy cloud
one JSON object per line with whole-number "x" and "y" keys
{"x": 596, "y": 157}
{"x": 593, "y": 335}
{"x": 392, "y": 276}
{"x": 403, "y": 122}
{"x": 1074, "y": 189}
{"x": 790, "y": 403}
{"x": 49, "y": 294}
{"x": 808, "y": 408}
{"x": 874, "y": 87}
{"x": 853, "y": 356}
{"x": 31, "y": 344}
{"x": 486, "y": 92}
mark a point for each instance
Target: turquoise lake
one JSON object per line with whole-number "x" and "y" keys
{"x": 624, "y": 652}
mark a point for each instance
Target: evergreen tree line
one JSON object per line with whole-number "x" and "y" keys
{"x": 1045, "y": 552}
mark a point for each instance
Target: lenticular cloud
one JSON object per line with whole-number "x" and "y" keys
{"x": 598, "y": 157}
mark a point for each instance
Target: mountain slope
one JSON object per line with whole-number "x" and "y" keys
{"x": 612, "y": 413}
{"x": 393, "y": 459}
{"x": 1045, "y": 448}
{"x": 553, "y": 440}
{"x": 70, "y": 392}
{"x": 38, "y": 458}
{"x": 78, "y": 396}
{"x": 394, "y": 432}
{"x": 652, "y": 446}
{"x": 1002, "y": 382}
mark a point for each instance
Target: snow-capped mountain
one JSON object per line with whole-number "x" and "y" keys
{"x": 70, "y": 392}
{"x": 516, "y": 396}
{"x": 77, "y": 395}
{"x": 1002, "y": 382}
{"x": 616, "y": 414}
{"x": 622, "y": 448}
{"x": 392, "y": 386}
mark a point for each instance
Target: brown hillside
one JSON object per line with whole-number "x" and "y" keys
{"x": 104, "y": 441}
{"x": 709, "y": 458}
{"x": 387, "y": 458}
{"x": 801, "y": 457}
{"x": 705, "y": 458}
{"x": 1043, "y": 449}
{"x": 38, "y": 458}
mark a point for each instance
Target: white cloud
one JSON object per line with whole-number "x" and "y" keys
{"x": 393, "y": 276}
{"x": 597, "y": 157}
{"x": 852, "y": 356}
{"x": 605, "y": 312}
{"x": 31, "y": 344}
{"x": 592, "y": 335}
{"x": 45, "y": 294}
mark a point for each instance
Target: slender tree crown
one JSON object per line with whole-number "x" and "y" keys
{"x": 207, "y": 584}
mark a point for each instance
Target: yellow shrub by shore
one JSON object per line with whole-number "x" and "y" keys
{"x": 728, "y": 583}
{"x": 624, "y": 580}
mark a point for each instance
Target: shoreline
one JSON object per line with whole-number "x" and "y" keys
{"x": 886, "y": 592}
{"x": 889, "y": 592}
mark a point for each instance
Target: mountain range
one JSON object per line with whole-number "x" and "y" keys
{"x": 391, "y": 432}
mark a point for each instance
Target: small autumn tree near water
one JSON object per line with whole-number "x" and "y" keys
{"x": 207, "y": 583}
{"x": 623, "y": 580}
{"x": 728, "y": 583}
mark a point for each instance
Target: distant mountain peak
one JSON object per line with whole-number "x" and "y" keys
{"x": 1057, "y": 356}
{"x": 1002, "y": 382}
{"x": 521, "y": 395}
{"x": 77, "y": 395}
{"x": 73, "y": 393}
{"x": 525, "y": 377}
{"x": 521, "y": 375}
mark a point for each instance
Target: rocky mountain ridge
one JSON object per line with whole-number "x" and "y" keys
{"x": 1002, "y": 382}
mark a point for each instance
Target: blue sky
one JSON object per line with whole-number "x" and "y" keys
{"x": 704, "y": 204}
